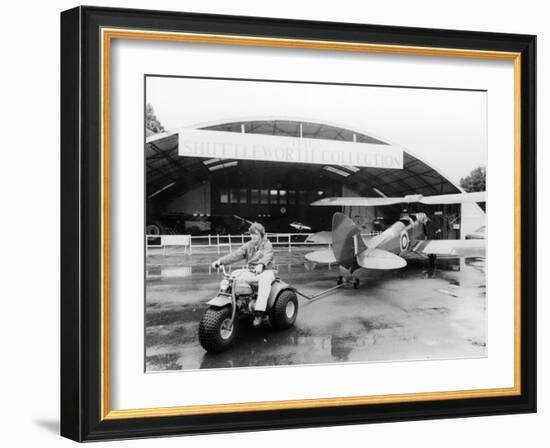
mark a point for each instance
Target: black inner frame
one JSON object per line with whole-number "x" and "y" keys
{"x": 81, "y": 221}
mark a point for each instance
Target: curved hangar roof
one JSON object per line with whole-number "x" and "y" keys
{"x": 168, "y": 173}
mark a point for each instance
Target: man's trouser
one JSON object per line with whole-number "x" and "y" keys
{"x": 263, "y": 281}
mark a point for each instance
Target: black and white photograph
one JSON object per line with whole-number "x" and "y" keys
{"x": 298, "y": 223}
{"x": 275, "y": 224}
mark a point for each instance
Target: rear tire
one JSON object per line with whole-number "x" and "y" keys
{"x": 215, "y": 335}
{"x": 284, "y": 311}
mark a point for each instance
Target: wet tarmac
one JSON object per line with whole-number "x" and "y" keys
{"x": 416, "y": 313}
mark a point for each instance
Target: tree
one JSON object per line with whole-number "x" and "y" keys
{"x": 475, "y": 181}
{"x": 152, "y": 123}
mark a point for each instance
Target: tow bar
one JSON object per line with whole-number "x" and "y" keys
{"x": 318, "y": 296}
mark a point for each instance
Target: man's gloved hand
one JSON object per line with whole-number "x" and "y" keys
{"x": 216, "y": 264}
{"x": 259, "y": 268}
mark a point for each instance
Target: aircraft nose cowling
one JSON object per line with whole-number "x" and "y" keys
{"x": 344, "y": 242}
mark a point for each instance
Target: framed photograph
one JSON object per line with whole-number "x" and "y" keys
{"x": 276, "y": 224}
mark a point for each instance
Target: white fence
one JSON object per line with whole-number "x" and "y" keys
{"x": 222, "y": 243}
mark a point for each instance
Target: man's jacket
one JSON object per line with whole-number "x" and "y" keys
{"x": 262, "y": 253}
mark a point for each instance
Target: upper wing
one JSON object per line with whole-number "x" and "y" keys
{"x": 478, "y": 234}
{"x": 357, "y": 201}
{"x": 457, "y": 248}
{"x": 457, "y": 198}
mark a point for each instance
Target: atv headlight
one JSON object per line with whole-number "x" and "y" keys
{"x": 224, "y": 285}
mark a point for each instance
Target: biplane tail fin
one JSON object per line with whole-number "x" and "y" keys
{"x": 346, "y": 240}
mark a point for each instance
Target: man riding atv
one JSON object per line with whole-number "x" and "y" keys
{"x": 258, "y": 253}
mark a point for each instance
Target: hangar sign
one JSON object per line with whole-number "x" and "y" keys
{"x": 233, "y": 145}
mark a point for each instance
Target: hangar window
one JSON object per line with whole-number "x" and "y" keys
{"x": 325, "y": 132}
{"x": 264, "y": 197}
{"x": 242, "y": 196}
{"x": 224, "y": 196}
{"x": 282, "y": 196}
{"x": 227, "y": 127}
{"x": 291, "y": 197}
{"x": 234, "y": 196}
{"x": 254, "y": 196}
{"x": 273, "y": 196}
{"x": 360, "y": 138}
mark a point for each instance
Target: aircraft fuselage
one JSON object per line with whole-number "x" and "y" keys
{"x": 398, "y": 237}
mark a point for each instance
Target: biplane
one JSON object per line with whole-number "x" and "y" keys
{"x": 299, "y": 226}
{"x": 389, "y": 249}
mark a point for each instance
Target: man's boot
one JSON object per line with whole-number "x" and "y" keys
{"x": 258, "y": 317}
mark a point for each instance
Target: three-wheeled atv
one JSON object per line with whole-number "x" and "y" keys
{"x": 234, "y": 304}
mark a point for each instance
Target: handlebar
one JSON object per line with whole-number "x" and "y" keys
{"x": 226, "y": 273}
{"x": 222, "y": 268}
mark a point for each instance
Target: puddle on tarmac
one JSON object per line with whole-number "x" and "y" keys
{"x": 382, "y": 320}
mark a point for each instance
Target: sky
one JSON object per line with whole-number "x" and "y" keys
{"x": 445, "y": 128}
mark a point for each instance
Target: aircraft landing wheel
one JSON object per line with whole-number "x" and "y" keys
{"x": 340, "y": 280}
{"x": 356, "y": 283}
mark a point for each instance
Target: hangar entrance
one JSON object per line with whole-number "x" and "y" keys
{"x": 206, "y": 196}
{"x": 223, "y": 201}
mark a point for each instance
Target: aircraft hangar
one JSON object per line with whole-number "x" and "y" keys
{"x": 202, "y": 205}
{"x": 211, "y": 195}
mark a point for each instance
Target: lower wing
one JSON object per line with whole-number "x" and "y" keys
{"x": 380, "y": 259}
{"x": 324, "y": 237}
{"x": 321, "y": 256}
{"x": 369, "y": 259}
{"x": 457, "y": 248}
